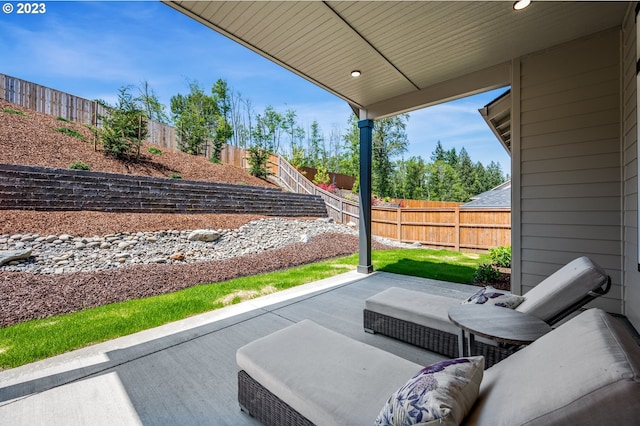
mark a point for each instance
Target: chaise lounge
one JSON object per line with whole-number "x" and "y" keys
{"x": 421, "y": 319}
{"x": 587, "y": 372}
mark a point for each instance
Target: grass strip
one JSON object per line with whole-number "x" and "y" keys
{"x": 443, "y": 265}
{"x": 38, "y": 339}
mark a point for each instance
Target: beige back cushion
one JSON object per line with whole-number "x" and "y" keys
{"x": 563, "y": 288}
{"x": 585, "y": 372}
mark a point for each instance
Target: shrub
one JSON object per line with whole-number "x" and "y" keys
{"x": 486, "y": 274}
{"x": 79, "y": 165}
{"x": 501, "y": 256}
{"x": 176, "y": 176}
{"x": 154, "y": 150}
{"x": 13, "y": 111}
{"x": 70, "y": 132}
{"x": 298, "y": 159}
{"x": 258, "y": 158}
{"x": 63, "y": 119}
{"x": 332, "y": 188}
{"x": 322, "y": 176}
{"x": 126, "y": 127}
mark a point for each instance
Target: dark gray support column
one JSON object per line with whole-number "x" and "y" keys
{"x": 366, "y": 131}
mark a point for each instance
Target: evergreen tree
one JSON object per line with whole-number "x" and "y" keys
{"x": 126, "y": 127}
{"x": 481, "y": 181}
{"x": 467, "y": 173}
{"x": 415, "y": 179}
{"x": 451, "y": 158}
{"x": 389, "y": 139}
{"x": 438, "y": 153}
{"x": 494, "y": 176}
{"x": 444, "y": 183}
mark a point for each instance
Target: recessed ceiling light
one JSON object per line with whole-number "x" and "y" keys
{"x": 355, "y": 73}
{"x": 521, "y": 4}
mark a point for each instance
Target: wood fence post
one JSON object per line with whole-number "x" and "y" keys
{"x": 457, "y": 230}
{"x": 399, "y": 221}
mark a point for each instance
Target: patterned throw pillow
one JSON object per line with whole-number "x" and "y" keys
{"x": 443, "y": 392}
{"x": 490, "y": 296}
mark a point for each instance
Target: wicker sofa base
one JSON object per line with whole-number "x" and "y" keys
{"x": 431, "y": 339}
{"x": 260, "y": 403}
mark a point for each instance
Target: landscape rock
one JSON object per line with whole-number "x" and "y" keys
{"x": 177, "y": 256}
{"x": 7, "y": 256}
{"x": 205, "y": 235}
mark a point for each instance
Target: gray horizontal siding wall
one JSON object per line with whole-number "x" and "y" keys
{"x": 631, "y": 276}
{"x": 570, "y": 165}
{"x": 40, "y": 188}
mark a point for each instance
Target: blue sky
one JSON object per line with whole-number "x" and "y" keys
{"x": 91, "y": 49}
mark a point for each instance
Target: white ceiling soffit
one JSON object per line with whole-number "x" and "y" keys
{"x": 411, "y": 54}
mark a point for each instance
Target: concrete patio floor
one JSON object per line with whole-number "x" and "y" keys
{"x": 184, "y": 373}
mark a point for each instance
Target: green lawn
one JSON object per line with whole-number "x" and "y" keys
{"x": 38, "y": 339}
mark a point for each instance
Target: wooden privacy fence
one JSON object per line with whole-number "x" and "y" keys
{"x": 74, "y": 108}
{"x": 440, "y": 225}
{"x": 339, "y": 180}
{"x": 453, "y": 228}
{"x": 49, "y": 101}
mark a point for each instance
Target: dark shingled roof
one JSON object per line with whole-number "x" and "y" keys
{"x": 498, "y": 197}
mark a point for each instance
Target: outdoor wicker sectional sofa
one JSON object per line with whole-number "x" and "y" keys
{"x": 586, "y": 372}
{"x": 421, "y": 319}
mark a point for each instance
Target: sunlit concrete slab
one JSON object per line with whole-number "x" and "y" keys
{"x": 98, "y": 401}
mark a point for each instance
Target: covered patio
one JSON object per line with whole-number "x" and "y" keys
{"x": 185, "y": 372}
{"x": 571, "y": 70}
{"x": 571, "y": 67}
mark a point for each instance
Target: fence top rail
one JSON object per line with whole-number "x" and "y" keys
{"x": 485, "y": 209}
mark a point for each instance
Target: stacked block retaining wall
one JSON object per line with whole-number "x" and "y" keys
{"x": 48, "y": 189}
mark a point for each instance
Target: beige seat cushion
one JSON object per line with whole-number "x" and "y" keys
{"x": 420, "y": 308}
{"x": 586, "y": 372}
{"x": 329, "y": 378}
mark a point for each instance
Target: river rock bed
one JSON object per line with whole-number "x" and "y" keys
{"x": 56, "y": 254}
